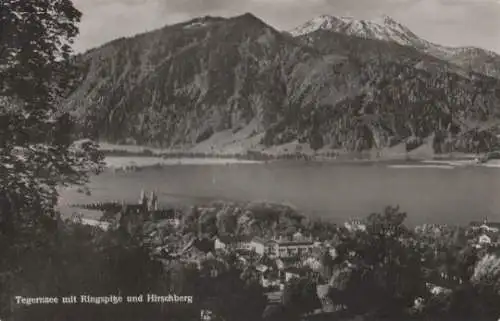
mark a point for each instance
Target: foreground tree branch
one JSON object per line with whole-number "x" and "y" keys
{"x": 36, "y": 75}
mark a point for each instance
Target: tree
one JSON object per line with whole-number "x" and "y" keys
{"x": 275, "y": 313}
{"x": 208, "y": 223}
{"x": 386, "y": 270}
{"x": 182, "y": 279}
{"x": 190, "y": 219}
{"x": 486, "y": 280}
{"x": 327, "y": 264}
{"x": 300, "y": 297}
{"x": 231, "y": 295}
{"x": 322, "y": 229}
{"x": 474, "y": 299}
{"x": 315, "y": 138}
{"x": 37, "y": 154}
{"x": 227, "y": 222}
{"x": 36, "y": 75}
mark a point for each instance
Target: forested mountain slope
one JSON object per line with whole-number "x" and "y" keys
{"x": 180, "y": 85}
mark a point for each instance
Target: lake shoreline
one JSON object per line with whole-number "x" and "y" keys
{"x": 262, "y": 156}
{"x": 133, "y": 162}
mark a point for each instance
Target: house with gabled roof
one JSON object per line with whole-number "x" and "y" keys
{"x": 282, "y": 247}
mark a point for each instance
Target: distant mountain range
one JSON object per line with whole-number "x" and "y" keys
{"x": 387, "y": 29}
{"x": 237, "y": 84}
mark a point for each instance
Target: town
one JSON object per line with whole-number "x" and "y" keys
{"x": 280, "y": 247}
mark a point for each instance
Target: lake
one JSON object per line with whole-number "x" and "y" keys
{"x": 429, "y": 194}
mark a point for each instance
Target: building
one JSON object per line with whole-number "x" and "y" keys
{"x": 486, "y": 226}
{"x": 430, "y": 229}
{"x": 436, "y": 290}
{"x": 484, "y": 239}
{"x": 148, "y": 209}
{"x": 259, "y": 245}
{"x": 233, "y": 242}
{"x": 219, "y": 244}
{"x": 281, "y": 247}
{"x": 168, "y": 215}
{"x": 101, "y": 224}
{"x": 243, "y": 243}
{"x": 355, "y": 225}
{"x": 313, "y": 263}
{"x": 287, "y": 248}
{"x": 291, "y": 273}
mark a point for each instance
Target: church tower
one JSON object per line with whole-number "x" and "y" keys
{"x": 153, "y": 202}
{"x": 143, "y": 200}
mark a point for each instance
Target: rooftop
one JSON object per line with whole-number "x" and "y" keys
{"x": 293, "y": 243}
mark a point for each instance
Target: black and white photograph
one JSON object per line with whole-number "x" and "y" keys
{"x": 249, "y": 160}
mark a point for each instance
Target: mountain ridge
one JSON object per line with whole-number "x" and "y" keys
{"x": 387, "y": 29}
{"x": 191, "y": 83}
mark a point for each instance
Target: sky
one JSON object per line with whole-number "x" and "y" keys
{"x": 447, "y": 22}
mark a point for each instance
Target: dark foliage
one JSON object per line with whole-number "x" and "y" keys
{"x": 299, "y": 297}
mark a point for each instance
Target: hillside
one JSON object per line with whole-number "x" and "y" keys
{"x": 243, "y": 83}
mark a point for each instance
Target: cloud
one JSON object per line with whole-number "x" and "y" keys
{"x": 450, "y": 22}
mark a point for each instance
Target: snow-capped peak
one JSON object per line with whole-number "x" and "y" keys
{"x": 325, "y": 22}
{"x": 387, "y": 29}
{"x": 381, "y": 28}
